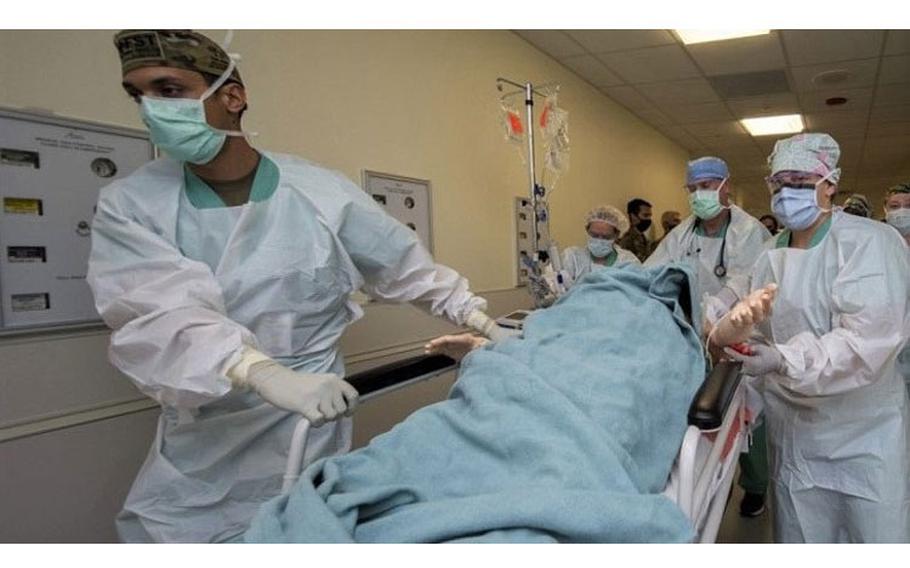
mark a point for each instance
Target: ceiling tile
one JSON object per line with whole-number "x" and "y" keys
{"x": 835, "y": 76}
{"x": 892, "y": 95}
{"x": 724, "y": 143}
{"x": 851, "y": 151}
{"x": 723, "y": 135}
{"x": 886, "y": 153}
{"x": 898, "y": 42}
{"x": 681, "y": 137}
{"x": 728, "y": 129}
{"x": 687, "y": 114}
{"x": 753, "y": 84}
{"x": 888, "y": 113}
{"x": 592, "y": 70}
{"x": 845, "y": 119}
{"x": 688, "y": 91}
{"x": 603, "y": 41}
{"x": 840, "y": 132}
{"x": 654, "y": 117}
{"x": 629, "y": 97}
{"x": 767, "y": 105}
{"x": 857, "y": 99}
{"x": 766, "y": 143}
{"x": 652, "y": 64}
{"x": 895, "y": 69}
{"x": 744, "y": 148}
{"x": 742, "y": 55}
{"x": 805, "y": 47}
{"x": 553, "y": 42}
{"x": 896, "y": 128}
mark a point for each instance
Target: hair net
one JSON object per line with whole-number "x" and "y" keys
{"x": 610, "y": 215}
{"x": 810, "y": 153}
{"x": 707, "y": 167}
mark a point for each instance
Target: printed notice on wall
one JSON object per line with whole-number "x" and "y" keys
{"x": 22, "y": 206}
{"x": 31, "y": 302}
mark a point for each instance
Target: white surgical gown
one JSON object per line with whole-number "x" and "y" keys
{"x": 838, "y": 418}
{"x": 577, "y": 261}
{"x": 745, "y": 240}
{"x": 183, "y": 288}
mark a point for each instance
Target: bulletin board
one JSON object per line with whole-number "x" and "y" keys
{"x": 51, "y": 170}
{"x": 404, "y": 198}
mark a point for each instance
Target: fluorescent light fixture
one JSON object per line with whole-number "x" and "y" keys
{"x": 766, "y": 125}
{"x": 689, "y": 37}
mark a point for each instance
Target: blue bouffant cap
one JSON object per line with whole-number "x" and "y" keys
{"x": 708, "y": 167}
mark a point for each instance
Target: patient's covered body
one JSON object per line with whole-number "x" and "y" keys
{"x": 567, "y": 434}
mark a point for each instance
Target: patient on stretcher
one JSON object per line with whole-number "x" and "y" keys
{"x": 566, "y": 434}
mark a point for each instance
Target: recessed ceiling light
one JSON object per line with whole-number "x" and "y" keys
{"x": 690, "y": 37}
{"x": 767, "y": 125}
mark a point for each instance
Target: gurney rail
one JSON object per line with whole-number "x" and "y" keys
{"x": 369, "y": 384}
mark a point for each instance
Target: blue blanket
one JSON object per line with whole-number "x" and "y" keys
{"x": 568, "y": 434}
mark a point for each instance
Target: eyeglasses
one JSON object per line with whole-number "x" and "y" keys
{"x": 795, "y": 181}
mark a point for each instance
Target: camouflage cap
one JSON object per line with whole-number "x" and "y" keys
{"x": 184, "y": 49}
{"x": 899, "y": 188}
{"x": 858, "y": 204}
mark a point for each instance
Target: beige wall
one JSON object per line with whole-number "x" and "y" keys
{"x": 415, "y": 103}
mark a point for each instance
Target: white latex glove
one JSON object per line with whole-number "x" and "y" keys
{"x": 455, "y": 346}
{"x": 319, "y": 397}
{"x": 484, "y": 324}
{"x": 716, "y": 306}
{"x": 764, "y": 359}
{"x": 736, "y": 326}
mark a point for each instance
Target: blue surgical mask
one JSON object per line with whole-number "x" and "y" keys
{"x": 797, "y": 208}
{"x": 899, "y": 219}
{"x": 599, "y": 248}
{"x": 179, "y": 128}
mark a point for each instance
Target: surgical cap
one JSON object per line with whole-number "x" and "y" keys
{"x": 184, "y": 49}
{"x": 707, "y": 167}
{"x": 858, "y": 204}
{"x": 809, "y": 153}
{"x": 610, "y": 215}
{"x": 899, "y": 188}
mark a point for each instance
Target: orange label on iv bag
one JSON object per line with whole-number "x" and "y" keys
{"x": 515, "y": 123}
{"x": 544, "y": 116}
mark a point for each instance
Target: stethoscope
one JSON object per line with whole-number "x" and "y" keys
{"x": 720, "y": 269}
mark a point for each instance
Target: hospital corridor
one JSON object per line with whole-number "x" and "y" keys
{"x": 590, "y": 283}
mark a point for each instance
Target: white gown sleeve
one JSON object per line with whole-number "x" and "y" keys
{"x": 171, "y": 334}
{"x": 869, "y": 323}
{"x": 394, "y": 263}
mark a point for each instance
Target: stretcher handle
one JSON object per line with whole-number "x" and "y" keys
{"x": 713, "y": 399}
{"x": 369, "y": 384}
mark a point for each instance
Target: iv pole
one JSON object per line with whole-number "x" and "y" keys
{"x": 537, "y": 192}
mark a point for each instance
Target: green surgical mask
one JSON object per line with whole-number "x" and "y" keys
{"x": 179, "y": 128}
{"x": 705, "y": 203}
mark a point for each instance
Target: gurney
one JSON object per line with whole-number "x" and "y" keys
{"x": 702, "y": 475}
